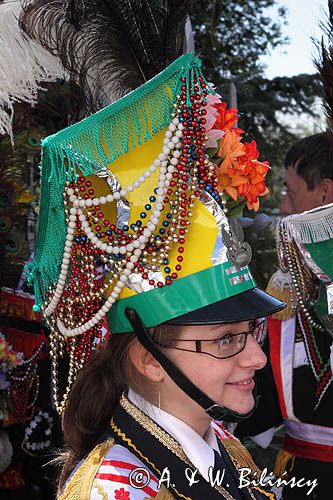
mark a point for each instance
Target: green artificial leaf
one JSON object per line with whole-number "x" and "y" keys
{"x": 211, "y": 152}
{"x": 237, "y": 209}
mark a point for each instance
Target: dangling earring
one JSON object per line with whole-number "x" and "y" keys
{"x": 159, "y": 394}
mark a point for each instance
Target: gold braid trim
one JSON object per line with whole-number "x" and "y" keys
{"x": 267, "y": 494}
{"x": 154, "y": 429}
{"x": 129, "y": 442}
{"x": 79, "y": 485}
{"x": 239, "y": 455}
{"x": 100, "y": 490}
{"x": 165, "y": 439}
{"x": 281, "y": 462}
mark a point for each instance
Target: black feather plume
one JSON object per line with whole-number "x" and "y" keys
{"x": 324, "y": 64}
{"x": 326, "y": 71}
{"x": 108, "y": 47}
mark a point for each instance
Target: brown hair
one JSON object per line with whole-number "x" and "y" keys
{"x": 96, "y": 393}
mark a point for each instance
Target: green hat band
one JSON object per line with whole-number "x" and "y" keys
{"x": 182, "y": 296}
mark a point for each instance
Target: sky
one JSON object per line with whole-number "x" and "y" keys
{"x": 303, "y": 23}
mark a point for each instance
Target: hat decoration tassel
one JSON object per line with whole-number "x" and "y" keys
{"x": 100, "y": 144}
{"x": 182, "y": 170}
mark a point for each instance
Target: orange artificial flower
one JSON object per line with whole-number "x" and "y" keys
{"x": 226, "y": 118}
{"x": 239, "y": 173}
{"x": 231, "y": 147}
{"x": 251, "y": 150}
{"x": 256, "y": 175}
{"x": 230, "y": 184}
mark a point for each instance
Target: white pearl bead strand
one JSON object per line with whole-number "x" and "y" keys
{"x": 165, "y": 174}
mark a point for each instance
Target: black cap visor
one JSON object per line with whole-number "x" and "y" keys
{"x": 245, "y": 306}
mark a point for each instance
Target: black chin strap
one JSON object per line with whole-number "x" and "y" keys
{"x": 215, "y": 411}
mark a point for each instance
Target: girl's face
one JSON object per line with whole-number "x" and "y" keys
{"x": 228, "y": 382}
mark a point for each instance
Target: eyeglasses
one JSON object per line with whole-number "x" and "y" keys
{"x": 226, "y": 346}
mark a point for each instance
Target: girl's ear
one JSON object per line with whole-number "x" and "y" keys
{"x": 145, "y": 363}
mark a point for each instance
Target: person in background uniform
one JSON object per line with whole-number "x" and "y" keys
{"x": 309, "y": 174}
{"x": 296, "y": 386}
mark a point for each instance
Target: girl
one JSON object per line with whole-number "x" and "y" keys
{"x": 147, "y": 401}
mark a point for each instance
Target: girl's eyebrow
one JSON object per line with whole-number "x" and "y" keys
{"x": 226, "y": 330}
{"x": 216, "y": 327}
{"x": 229, "y": 328}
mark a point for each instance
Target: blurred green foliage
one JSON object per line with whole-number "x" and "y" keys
{"x": 231, "y": 38}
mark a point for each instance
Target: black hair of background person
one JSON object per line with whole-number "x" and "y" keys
{"x": 312, "y": 157}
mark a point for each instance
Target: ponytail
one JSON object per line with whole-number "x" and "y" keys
{"x": 97, "y": 390}
{"x": 94, "y": 397}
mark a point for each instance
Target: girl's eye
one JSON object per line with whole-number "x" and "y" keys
{"x": 225, "y": 341}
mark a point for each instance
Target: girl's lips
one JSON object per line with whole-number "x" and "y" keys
{"x": 243, "y": 385}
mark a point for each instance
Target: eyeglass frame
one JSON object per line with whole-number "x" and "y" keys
{"x": 229, "y": 335}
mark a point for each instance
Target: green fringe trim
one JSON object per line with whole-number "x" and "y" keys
{"x": 127, "y": 123}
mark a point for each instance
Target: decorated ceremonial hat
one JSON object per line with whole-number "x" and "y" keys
{"x": 305, "y": 243}
{"x": 133, "y": 214}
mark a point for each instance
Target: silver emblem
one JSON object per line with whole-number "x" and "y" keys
{"x": 239, "y": 251}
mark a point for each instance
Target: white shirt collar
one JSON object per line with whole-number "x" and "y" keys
{"x": 199, "y": 450}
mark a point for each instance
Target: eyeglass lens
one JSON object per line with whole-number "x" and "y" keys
{"x": 231, "y": 345}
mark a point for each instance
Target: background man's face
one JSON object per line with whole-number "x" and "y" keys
{"x": 298, "y": 197}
